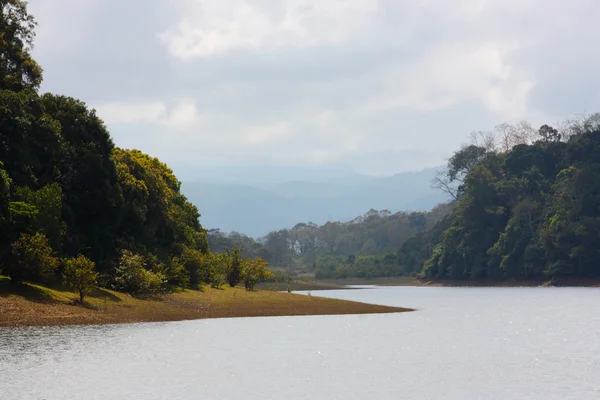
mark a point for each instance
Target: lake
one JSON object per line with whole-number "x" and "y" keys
{"x": 463, "y": 343}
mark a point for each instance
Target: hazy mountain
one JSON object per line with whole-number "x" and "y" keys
{"x": 260, "y": 207}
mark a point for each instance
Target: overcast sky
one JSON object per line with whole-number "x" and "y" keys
{"x": 380, "y": 86}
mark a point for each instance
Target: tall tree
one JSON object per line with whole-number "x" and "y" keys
{"x": 18, "y": 70}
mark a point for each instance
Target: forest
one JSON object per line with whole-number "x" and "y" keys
{"x": 76, "y": 208}
{"x": 527, "y": 206}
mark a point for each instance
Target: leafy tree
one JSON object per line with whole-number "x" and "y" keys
{"x": 549, "y": 134}
{"x": 18, "y": 70}
{"x": 254, "y": 271}
{"x": 132, "y": 276}
{"x": 31, "y": 259}
{"x": 234, "y": 273}
{"x": 80, "y": 274}
{"x": 460, "y": 164}
{"x": 87, "y": 175}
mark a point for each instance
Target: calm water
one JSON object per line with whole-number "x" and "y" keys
{"x": 464, "y": 343}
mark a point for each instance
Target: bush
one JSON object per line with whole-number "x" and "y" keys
{"x": 218, "y": 280}
{"x": 177, "y": 274}
{"x": 30, "y": 259}
{"x": 194, "y": 263}
{"x": 80, "y": 274}
{"x": 132, "y": 276}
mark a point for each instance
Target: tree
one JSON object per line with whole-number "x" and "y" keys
{"x": 18, "y": 70}
{"x": 255, "y": 270}
{"x": 80, "y": 274}
{"x": 459, "y": 165}
{"x": 31, "y": 259}
{"x": 234, "y": 273}
{"x": 549, "y": 134}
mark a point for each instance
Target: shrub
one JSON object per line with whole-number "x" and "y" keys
{"x": 132, "y": 276}
{"x": 80, "y": 274}
{"x": 31, "y": 258}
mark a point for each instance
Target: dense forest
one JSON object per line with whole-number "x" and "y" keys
{"x": 524, "y": 203}
{"x": 365, "y": 247}
{"x": 527, "y": 206}
{"x": 75, "y": 207}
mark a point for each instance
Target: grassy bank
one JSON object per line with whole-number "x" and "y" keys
{"x": 33, "y": 305}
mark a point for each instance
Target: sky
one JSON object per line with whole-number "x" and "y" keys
{"x": 373, "y": 86}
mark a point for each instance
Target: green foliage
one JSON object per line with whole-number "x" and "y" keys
{"x": 80, "y": 274}
{"x": 234, "y": 272}
{"x": 254, "y": 271}
{"x": 132, "y": 275}
{"x": 17, "y": 69}
{"x": 531, "y": 212}
{"x": 156, "y": 217}
{"x": 48, "y": 202}
{"x": 31, "y": 259}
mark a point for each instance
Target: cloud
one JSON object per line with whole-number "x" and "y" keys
{"x": 181, "y": 115}
{"x": 452, "y": 74}
{"x": 261, "y": 134}
{"x": 213, "y": 27}
{"x": 360, "y": 83}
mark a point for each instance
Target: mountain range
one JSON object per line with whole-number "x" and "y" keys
{"x": 267, "y": 201}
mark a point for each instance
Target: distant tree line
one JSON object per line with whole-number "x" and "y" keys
{"x": 367, "y": 246}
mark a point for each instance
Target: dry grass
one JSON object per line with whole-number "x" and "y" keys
{"x": 29, "y": 305}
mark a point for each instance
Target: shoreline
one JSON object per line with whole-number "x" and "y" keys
{"x": 33, "y": 305}
{"x": 572, "y": 282}
{"x": 342, "y": 284}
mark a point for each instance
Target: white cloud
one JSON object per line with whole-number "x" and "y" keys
{"x": 211, "y": 27}
{"x": 318, "y": 81}
{"x": 452, "y": 74}
{"x": 181, "y": 115}
{"x": 261, "y": 134}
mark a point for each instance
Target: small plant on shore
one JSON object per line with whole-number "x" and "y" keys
{"x": 255, "y": 270}
{"x": 79, "y": 273}
{"x": 31, "y": 259}
{"x": 133, "y": 277}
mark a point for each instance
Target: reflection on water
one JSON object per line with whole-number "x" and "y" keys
{"x": 463, "y": 343}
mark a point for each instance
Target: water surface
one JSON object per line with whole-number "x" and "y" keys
{"x": 463, "y": 343}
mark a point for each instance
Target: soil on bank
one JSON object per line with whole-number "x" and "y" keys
{"x": 34, "y": 305}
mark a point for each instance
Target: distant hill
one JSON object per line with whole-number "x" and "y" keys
{"x": 260, "y": 207}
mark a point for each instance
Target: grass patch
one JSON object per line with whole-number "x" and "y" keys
{"x": 29, "y": 304}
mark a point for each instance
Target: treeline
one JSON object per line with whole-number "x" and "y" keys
{"x": 365, "y": 247}
{"x": 72, "y": 205}
{"x": 527, "y": 207}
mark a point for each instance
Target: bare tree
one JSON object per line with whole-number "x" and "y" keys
{"x": 442, "y": 182}
{"x": 483, "y": 139}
